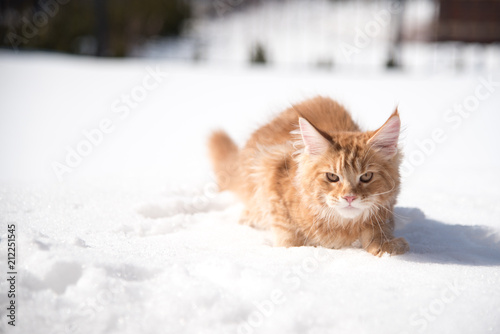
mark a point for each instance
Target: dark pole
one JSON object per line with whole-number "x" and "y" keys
{"x": 101, "y": 28}
{"x": 394, "y": 58}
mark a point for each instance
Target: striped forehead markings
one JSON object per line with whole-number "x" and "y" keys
{"x": 348, "y": 160}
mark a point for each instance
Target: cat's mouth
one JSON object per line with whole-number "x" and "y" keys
{"x": 346, "y": 210}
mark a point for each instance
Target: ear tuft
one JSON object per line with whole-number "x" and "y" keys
{"x": 314, "y": 142}
{"x": 386, "y": 137}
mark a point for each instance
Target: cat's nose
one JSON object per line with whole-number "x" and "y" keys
{"x": 349, "y": 199}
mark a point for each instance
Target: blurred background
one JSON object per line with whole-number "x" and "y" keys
{"x": 429, "y": 35}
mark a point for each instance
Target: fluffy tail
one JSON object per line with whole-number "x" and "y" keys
{"x": 224, "y": 156}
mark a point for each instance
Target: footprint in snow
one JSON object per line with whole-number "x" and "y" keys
{"x": 185, "y": 203}
{"x": 177, "y": 209}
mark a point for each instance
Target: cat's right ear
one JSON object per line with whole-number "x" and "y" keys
{"x": 314, "y": 142}
{"x": 386, "y": 138}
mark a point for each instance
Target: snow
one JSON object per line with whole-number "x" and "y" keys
{"x": 135, "y": 239}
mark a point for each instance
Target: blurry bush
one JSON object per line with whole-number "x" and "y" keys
{"x": 258, "y": 54}
{"x": 100, "y": 27}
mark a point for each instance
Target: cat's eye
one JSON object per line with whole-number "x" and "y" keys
{"x": 332, "y": 177}
{"x": 366, "y": 177}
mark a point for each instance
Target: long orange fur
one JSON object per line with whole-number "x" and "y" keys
{"x": 284, "y": 177}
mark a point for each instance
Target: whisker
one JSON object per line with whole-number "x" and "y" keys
{"x": 378, "y": 219}
{"x": 400, "y": 217}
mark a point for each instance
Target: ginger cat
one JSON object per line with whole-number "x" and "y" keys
{"x": 315, "y": 179}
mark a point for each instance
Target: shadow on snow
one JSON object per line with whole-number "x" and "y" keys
{"x": 436, "y": 242}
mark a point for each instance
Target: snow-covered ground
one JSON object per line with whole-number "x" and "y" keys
{"x": 119, "y": 229}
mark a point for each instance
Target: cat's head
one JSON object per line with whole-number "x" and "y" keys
{"x": 350, "y": 174}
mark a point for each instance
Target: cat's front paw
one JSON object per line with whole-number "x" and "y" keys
{"x": 396, "y": 246}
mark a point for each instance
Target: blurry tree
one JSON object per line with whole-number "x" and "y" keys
{"x": 101, "y": 27}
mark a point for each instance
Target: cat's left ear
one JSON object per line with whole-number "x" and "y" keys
{"x": 386, "y": 137}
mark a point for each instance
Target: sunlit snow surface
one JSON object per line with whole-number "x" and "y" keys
{"x": 135, "y": 239}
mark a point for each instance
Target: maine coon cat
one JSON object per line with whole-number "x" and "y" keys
{"x": 315, "y": 179}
